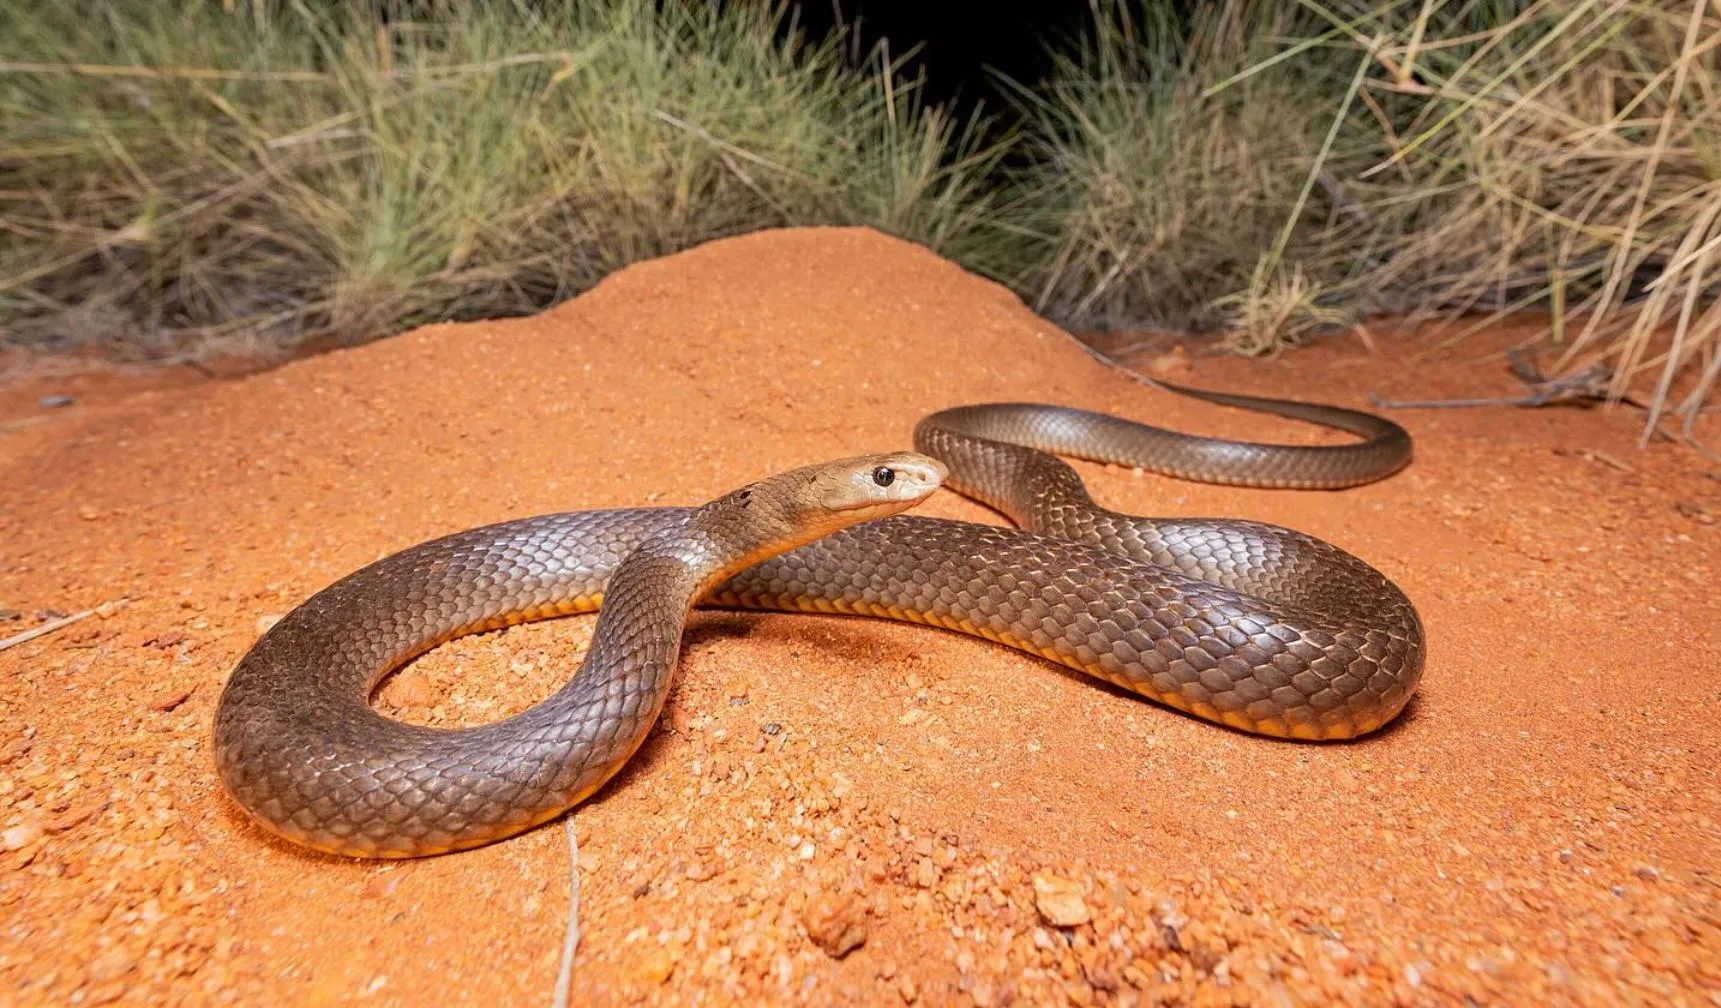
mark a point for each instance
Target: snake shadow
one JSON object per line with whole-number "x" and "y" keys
{"x": 242, "y": 828}
{"x": 1406, "y": 716}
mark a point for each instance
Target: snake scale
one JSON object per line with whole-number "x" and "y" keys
{"x": 1250, "y": 625}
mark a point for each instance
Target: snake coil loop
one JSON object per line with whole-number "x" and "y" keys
{"x": 1250, "y": 625}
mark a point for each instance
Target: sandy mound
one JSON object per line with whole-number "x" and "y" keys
{"x": 1540, "y": 827}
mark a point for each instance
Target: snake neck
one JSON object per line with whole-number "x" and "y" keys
{"x": 1036, "y": 491}
{"x": 742, "y": 528}
{"x": 722, "y": 538}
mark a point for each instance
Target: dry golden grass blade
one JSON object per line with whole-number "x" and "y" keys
{"x": 1625, "y": 247}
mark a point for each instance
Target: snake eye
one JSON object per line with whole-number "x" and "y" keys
{"x": 884, "y": 476}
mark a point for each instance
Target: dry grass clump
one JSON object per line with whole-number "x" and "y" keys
{"x": 1560, "y": 154}
{"x": 1280, "y": 308}
{"x": 1148, "y": 192}
{"x": 178, "y": 177}
{"x": 1302, "y": 164}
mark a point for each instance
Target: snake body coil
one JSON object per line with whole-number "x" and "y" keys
{"x": 1250, "y": 625}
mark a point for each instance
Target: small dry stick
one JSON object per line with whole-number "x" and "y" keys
{"x": 565, "y": 975}
{"x": 49, "y": 627}
{"x": 1588, "y": 385}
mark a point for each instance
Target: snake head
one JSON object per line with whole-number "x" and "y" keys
{"x": 871, "y": 486}
{"x": 793, "y": 508}
{"x": 790, "y": 508}
{"x": 834, "y": 495}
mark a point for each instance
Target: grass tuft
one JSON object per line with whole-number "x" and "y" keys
{"x": 178, "y": 178}
{"x": 1278, "y": 310}
{"x": 1148, "y": 192}
{"x": 1428, "y": 158}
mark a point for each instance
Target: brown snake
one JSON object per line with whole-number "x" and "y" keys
{"x": 1250, "y": 625}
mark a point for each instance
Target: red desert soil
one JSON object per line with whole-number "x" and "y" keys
{"x": 1540, "y": 827}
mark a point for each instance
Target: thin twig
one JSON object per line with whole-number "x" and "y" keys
{"x": 565, "y": 975}
{"x": 1586, "y": 385}
{"x": 721, "y": 144}
{"x": 50, "y": 626}
{"x": 1524, "y": 400}
{"x": 22, "y": 422}
{"x": 1607, "y": 460}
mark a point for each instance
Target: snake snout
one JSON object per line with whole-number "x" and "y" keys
{"x": 917, "y": 475}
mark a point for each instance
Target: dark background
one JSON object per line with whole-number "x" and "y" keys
{"x": 959, "y": 45}
{"x": 955, "y": 41}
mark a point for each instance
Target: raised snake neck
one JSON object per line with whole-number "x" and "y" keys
{"x": 1246, "y": 624}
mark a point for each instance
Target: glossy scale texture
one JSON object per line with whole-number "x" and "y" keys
{"x": 1250, "y": 625}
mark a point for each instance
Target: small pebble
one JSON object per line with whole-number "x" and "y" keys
{"x": 655, "y": 968}
{"x": 1060, "y": 901}
{"x": 171, "y": 699}
{"x": 77, "y": 814}
{"x": 110, "y": 965}
{"x": 55, "y": 401}
{"x": 165, "y": 639}
{"x": 19, "y": 837}
{"x": 836, "y": 922}
{"x": 410, "y": 689}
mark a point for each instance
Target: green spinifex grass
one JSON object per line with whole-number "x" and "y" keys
{"x": 1150, "y": 192}
{"x": 175, "y": 176}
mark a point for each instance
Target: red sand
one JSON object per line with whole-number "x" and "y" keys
{"x": 1540, "y": 827}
